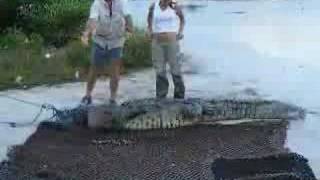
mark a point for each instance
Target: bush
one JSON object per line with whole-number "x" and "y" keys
{"x": 137, "y": 52}
{"x": 25, "y": 57}
{"x": 77, "y": 56}
{"x": 8, "y": 13}
{"x": 15, "y": 38}
{"x": 55, "y": 20}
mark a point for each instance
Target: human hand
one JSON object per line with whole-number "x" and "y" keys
{"x": 129, "y": 24}
{"x": 85, "y": 39}
{"x": 129, "y": 34}
{"x": 149, "y": 33}
{"x": 129, "y": 30}
{"x": 180, "y": 36}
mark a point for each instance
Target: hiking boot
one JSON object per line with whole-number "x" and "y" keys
{"x": 86, "y": 100}
{"x": 179, "y": 87}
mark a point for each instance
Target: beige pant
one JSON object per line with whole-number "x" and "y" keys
{"x": 163, "y": 53}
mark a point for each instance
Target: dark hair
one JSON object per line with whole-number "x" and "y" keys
{"x": 171, "y": 4}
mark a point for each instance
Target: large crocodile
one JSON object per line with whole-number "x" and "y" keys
{"x": 151, "y": 113}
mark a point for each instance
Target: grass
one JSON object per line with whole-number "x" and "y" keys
{"x": 24, "y": 59}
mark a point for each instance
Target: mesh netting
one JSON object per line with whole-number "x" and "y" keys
{"x": 280, "y": 166}
{"x": 184, "y": 153}
{"x": 4, "y": 171}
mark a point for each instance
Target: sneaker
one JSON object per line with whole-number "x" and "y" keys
{"x": 87, "y": 100}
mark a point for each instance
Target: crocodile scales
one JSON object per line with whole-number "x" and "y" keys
{"x": 149, "y": 113}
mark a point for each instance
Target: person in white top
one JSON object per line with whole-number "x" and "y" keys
{"x": 108, "y": 22}
{"x": 165, "y": 27}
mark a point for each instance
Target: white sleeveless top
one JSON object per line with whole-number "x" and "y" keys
{"x": 164, "y": 20}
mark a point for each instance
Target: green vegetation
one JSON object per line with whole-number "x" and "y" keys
{"x": 42, "y": 45}
{"x": 57, "y": 21}
{"x": 8, "y": 13}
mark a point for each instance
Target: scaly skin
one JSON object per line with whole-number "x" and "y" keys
{"x": 147, "y": 114}
{"x": 152, "y": 114}
{"x": 236, "y": 109}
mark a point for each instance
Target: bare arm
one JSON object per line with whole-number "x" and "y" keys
{"x": 90, "y": 27}
{"x": 182, "y": 19}
{"x": 91, "y": 23}
{"x": 126, "y": 12}
{"x": 150, "y": 17}
{"x": 129, "y": 23}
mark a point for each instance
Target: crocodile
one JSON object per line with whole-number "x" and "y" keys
{"x": 150, "y": 113}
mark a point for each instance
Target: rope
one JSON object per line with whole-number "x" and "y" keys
{"x": 15, "y": 124}
{"x": 57, "y": 115}
{"x": 22, "y": 101}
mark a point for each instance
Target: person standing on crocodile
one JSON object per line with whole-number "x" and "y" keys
{"x": 108, "y": 22}
{"x": 165, "y": 28}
